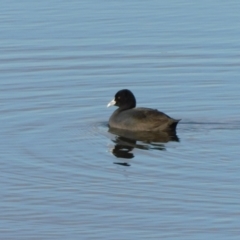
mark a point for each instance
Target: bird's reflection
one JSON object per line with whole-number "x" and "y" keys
{"x": 125, "y": 141}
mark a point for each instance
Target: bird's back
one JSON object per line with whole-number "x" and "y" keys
{"x": 142, "y": 119}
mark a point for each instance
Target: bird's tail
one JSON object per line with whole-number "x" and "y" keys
{"x": 174, "y": 124}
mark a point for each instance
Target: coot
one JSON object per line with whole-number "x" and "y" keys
{"x": 128, "y": 117}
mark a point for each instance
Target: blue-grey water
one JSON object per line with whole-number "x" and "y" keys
{"x": 62, "y": 62}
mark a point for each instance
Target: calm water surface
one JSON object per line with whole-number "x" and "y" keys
{"x": 63, "y": 175}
